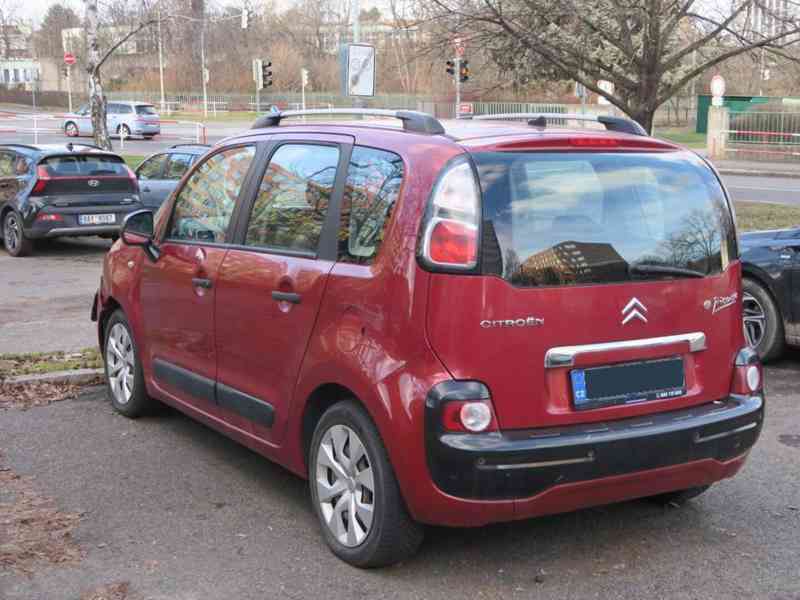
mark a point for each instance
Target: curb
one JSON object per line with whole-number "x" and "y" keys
{"x": 77, "y": 376}
{"x": 759, "y": 173}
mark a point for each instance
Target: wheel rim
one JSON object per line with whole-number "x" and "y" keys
{"x": 72, "y": 131}
{"x": 120, "y": 363}
{"x": 754, "y": 320}
{"x": 12, "y": 232}
{"x": 345, "y": 485}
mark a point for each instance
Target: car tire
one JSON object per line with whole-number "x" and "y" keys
{"x": 762, "y": 321}
{"x": 124, "y": 375}
{"x": 124, "y": 129}
{"x": 679, "y": 497}
{"x": 14, "y": 240}
{"x": 391, "y": 535}
{"x": 71, "y": 129}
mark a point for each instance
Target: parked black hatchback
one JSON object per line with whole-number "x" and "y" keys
{"x": 49, "y": 191}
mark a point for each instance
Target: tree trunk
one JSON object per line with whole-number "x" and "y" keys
{"x": 97, "y": 98}
{"x": 645, "y": 117}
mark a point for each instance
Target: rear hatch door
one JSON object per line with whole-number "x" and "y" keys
{"x": 608, "y": 287}
{"x": 89, "y": 179}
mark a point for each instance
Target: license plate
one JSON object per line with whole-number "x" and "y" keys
{"x": 97, "y": 219}
{"x": 628, "y": 383}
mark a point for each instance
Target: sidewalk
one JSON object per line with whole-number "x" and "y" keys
{"x": 758, "y": 168}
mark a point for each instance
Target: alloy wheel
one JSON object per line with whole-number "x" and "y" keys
{"x": 71, "y": 130}
{"x": 12, "y": 232}
{"x": 754, "y": 320}
{"x": 120, "y": 361}
{"x": 345, "y": 485}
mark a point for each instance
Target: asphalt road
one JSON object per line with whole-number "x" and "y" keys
{"x": 183, "y": 513}
{"x": 779, "y": 190}
{"x": 46, "y": 298}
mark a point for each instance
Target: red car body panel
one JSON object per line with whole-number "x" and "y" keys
{"x": 390, "y": 331}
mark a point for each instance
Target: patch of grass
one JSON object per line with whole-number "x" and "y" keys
{"x": 683, "y": 136}
{"x": 133, "y": 160}
{"x": 36, "y": 363}
{"x": 756, "y": 216}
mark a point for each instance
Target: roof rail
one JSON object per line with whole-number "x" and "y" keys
{"x": 415, "y": 121}
{"x": 190, "y": 145}
{"x": 618, "y": 124}
{"x": 12, "y": 145}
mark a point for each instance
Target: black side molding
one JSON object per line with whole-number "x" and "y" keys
{"x": 209, "y": 390}
{"x": 245, "y": 405}
{"x": 188, "y": 381}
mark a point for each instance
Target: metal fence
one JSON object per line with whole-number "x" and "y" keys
{"x": 763, "y": 134}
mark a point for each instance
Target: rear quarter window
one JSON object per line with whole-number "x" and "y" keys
{"x": 145, "y": 109}
{"x": 372, "y": 187}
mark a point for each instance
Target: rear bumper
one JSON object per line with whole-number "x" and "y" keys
{"x": 515, "y": 474}
{"x": 142, "y": 129}
{"x": 69, "y": 223}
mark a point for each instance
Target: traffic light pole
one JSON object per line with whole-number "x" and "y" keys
{"x": 69, "y": 87}
{"x": 457, "y": 75}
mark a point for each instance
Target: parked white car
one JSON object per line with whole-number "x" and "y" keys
{"x": 123, "y": 118}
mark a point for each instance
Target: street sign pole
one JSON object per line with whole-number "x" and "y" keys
{"x": 69, "y": 87}
{"x": 259, "y": 80}
{"x": 457, "y": 75}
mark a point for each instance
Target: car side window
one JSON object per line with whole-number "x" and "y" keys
{"x": 124, "y": 109}
{"x": 205, "y": 203}
{"x": 372, "y": 187}
{"x": 289, "y": 211}
{"x": 153, "y": 167}
{"x": 178, "y": 165}
{"x": 7, "y": 164}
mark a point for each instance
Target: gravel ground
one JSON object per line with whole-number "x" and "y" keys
{"x": 172, "y": 510}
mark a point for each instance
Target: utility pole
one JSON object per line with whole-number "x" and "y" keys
{"x": 304, "y": 83}
{"x": 160, "y": 63}
{"x": 203, "y": 63}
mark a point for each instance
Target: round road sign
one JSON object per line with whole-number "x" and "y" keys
{"x": 69, "y": 58}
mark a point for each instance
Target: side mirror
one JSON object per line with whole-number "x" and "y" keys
{"x": 137, "y": 230}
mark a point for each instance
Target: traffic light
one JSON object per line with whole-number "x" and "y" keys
{"x": 463, "y": 71}
{"x": 266, "y": 74}
{"x": 451, "y": 67}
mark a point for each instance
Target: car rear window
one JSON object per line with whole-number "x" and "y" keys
{"x": 72, "y": 166}
{"x": 587, "y": 218}
{"x": 145, "y": 109}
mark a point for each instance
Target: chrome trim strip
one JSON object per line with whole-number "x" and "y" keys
{"x": 564, "y": 356}
{"x": 537, "y": 465}
{"x": 716, "y": 436}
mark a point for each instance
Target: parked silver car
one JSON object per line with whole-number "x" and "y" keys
{"x": 123, "y": 118}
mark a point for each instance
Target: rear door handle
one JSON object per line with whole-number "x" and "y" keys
{"x": 201, "y": 282}
{"x": 286, "y": 297}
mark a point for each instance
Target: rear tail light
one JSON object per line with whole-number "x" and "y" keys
{"x": 132, "y": 177}
{"x": 748, "y": 376}
{"x": 42, "y": 177}
{"x": 44, "y": 218}
{"x": 473, "y": 416}
{"x": 450, "y": 230}
{"x": 461, "y": 406}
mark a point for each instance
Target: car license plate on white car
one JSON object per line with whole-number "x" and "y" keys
{"x": 97, "y": 219}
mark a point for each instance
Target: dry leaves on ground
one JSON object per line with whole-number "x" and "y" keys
{"x": 28, "y": 395}
{"x": 32, "y": 529}
{"x": 112, "y": 591}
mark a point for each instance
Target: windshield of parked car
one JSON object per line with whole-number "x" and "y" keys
{"x": 86, "y": 164}
{"x": 566, "y": 218}
{"x": 145, "y": 109}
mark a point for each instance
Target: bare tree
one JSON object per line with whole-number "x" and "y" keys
{"x": 95, "y": 60}
{"x": 643, "y": 47}
{"x": 9, "y": 22}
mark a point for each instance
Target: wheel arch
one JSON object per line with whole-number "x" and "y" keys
{"x": 763, "y": 279}
{"x": 110, "y": 305}
{"x": 321, "y": 399}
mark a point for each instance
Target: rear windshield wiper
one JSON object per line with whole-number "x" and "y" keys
{"x": 645, "y": 269}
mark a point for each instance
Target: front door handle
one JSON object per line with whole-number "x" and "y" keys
{"x": 202, "y": 282}
{"x": 286, "y": 297}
